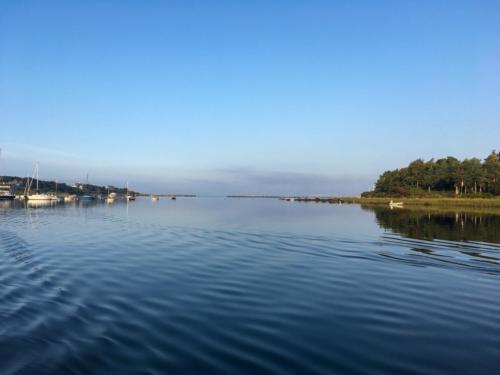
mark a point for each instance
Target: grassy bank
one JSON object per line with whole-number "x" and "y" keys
{"x": 441, "y": 202}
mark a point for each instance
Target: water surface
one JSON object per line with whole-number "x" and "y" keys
{"x": 212, "y": 285}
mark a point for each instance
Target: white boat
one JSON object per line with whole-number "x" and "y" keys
{"x": 155, "y": 198}
{"x": 41, "y": 197}
{"x": 110, "y": 197}
{"x": 130, "y": 196}
{"x": 70, "y": 198}
{"x": 5, "y": 194}
{"x": 395, "y": 204}
{"x": 38, "y": 196}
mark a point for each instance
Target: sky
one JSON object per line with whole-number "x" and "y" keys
{"x": 245, "y": 97}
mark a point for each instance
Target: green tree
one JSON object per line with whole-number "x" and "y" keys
{"x": 491, "y": 168}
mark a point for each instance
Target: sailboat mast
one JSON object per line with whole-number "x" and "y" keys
{"x": 37, "y": 177}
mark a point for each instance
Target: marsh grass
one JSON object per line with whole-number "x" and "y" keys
{"x": 476, "y": 203}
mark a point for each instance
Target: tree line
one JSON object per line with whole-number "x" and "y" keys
{"x": 446, "y": 176}
{"x": 18, "y": 185}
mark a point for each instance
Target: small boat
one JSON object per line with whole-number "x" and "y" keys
{"x": 155, "y": 198}
{"x": 395, "y": 204}
{"x": 173, "y": 198}
{"x": 130, "y": 196}
{"x": 70, "y": 198}
{"x": 5, "y": 194}
{"x": 86, "y": 196}
{"x": 111, "y": 197}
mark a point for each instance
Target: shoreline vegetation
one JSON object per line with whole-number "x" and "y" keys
{"x": 493, "y": 202}
{"x": 443, "y": 178}
{"x": 446, "y": 183}
{"x": 18, "y": 185}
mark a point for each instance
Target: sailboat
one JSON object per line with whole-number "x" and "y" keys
{"x": 37, "y": 196}
{"x": 87, "y": 197}
{"x": 130, "y": 196}
{"x": 111, "y": 197}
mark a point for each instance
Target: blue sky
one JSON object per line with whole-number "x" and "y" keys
{"x": 265, "y": 97}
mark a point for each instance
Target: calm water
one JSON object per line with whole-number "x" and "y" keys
{"x": 211, "y": 285}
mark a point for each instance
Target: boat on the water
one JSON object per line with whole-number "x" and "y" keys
{"x": 5, "y": 194}
{"x": 42, "y": 197}
{"x": 155, "y": 198}
{"x": 70, "y": 198}
{"x": 130, "y": 196}
{"x": 38, "y": 196}
{"x": 173, "y": 198}
{"x": 110, "y": 197}
{"x": 86, "y": 196}
{"x": 395, "y": 204}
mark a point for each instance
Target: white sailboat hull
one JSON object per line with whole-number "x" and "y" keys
{"x": 41, "y": 197}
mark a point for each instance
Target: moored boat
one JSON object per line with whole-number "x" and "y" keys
{"x": 110, "y": 198}
{"x": 395, "y": 204}
{"x": 42, "y": 197}
{"x": 130, "y": 196}
{"x": 70, "y": 198}
{"x": 37, "y": 196}
{"x": 5, "y": 194}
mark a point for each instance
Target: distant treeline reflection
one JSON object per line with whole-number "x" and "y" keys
{"x": 457, "y": 226}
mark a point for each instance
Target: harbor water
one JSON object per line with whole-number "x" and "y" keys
{"x": 246, "y": 286}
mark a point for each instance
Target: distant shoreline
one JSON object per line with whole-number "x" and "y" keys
{"x": 255, "y": 196}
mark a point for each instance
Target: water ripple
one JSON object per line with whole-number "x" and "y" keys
{"x": 98, "y": 290}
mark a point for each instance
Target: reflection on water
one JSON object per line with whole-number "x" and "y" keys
{"x": 246, "y": 286}
{"x": 40, "y": 203}
{"x": 443, "y": 225}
